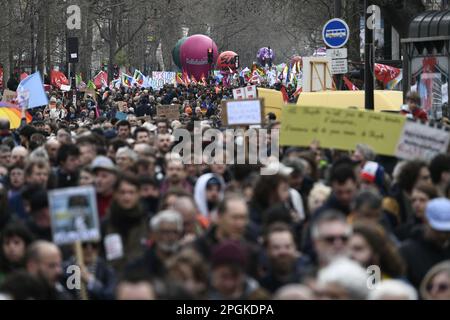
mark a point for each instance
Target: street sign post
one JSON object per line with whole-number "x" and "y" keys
{"x": 337, "y": 53}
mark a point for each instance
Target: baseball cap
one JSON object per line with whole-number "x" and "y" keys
{"x": 438, "y": 214}
{"x": 103, "y": 163}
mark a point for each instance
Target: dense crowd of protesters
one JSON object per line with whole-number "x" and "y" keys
{"x": 215, "y": 231}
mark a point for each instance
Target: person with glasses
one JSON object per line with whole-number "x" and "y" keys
{"x": 436, "y": 284}
{"x": 431, "y": 245}
{"x": 330, "y": 234}
{"x": 166, "y": 234}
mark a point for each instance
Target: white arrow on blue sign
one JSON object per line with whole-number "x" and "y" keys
{"x": 336, "y": 33}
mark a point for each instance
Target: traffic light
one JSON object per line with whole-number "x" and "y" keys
{"x": 210, "y": 56}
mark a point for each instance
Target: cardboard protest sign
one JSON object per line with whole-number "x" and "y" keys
{"x": 90, "y": 92}
{"x": 420, "y": 141}
{"x": 9, "y": 96}
{"x": 74, "y": 215}
{"x": 341, "y": 129}
{"x": 170, "y": 112}
{"x": 243, "y": 112}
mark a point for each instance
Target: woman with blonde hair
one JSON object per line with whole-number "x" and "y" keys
{"x": 436, "y": 284}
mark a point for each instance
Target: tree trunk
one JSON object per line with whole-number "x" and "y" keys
{"x": 40, "y": 44}
{"x": 113, "y": 38}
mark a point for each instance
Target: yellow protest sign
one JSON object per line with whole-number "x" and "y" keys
{"x": 385, "y": 100}
{"x": 341, "y": 129}
{"x": 273, "y": 101}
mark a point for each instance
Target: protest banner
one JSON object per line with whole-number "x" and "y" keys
{"x": 161, "y": 78}
{"x": 273, "y": 101}
{"x": 421, "y": 141}
{"x": 170, "y": 112}
{"x": 340, "y": 129}
{"x": 9, "y": 96}
{"x": 243, "y": 112}
{"x": 74, "y": 215}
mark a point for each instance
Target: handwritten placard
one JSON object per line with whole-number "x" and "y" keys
{"x": 341, "y": 129}
{"x": 170, "y": 112}
{"x": 243, "y": 112}
{"x": 420, "y": 141}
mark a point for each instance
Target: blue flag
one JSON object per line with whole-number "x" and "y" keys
{"x": 31, "y": 93}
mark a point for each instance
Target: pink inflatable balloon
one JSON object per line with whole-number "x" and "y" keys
{"x": 194, "y": 55}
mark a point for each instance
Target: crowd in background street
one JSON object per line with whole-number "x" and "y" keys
{"x": 215, "y": 231}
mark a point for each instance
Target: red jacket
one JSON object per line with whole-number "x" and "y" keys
{"x": 418, "y": 114}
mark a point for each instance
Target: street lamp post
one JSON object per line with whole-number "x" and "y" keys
{"x": 369, "y": 60}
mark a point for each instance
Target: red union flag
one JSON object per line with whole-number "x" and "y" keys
{"x": 386, "y": 73}
{"x": 58, "y": 79}
{"x": 101, "y": 80}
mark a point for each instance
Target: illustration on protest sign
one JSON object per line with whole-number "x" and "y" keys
{"x": 74, "y": 215}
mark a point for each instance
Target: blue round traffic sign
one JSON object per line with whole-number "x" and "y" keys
{"x": 336, "y": 33}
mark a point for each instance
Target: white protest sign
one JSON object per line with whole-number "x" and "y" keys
{"x": 113, "y": 247}
{"x": 245, "y": 93}
{"x": 243, "y": 112}
{"x": 239, "y": 94}
{"x": 251, "y": 93}
{"x": 74, "y": 215}
{"x": 420, "y": 141}
{"x": 65, "y": 88}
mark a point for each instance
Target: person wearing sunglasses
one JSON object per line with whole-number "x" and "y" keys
{"x": 436, "y": 284}
{"x": 330, "y": 233}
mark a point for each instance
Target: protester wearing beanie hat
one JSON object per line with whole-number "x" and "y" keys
{"x": 228, "y": 278}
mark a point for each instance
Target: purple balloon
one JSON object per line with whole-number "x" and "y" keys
{"x": 194, "y": 55}
{"x": 264, "y": 55}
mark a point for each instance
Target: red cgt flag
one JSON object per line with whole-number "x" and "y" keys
{"x": 58, "y": 79}
{"x": 101, "y": 80}
{"x": 350, "y": 85}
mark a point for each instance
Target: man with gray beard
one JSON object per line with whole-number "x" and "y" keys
{"x": 330, "y": 233}
{"x": 166, "y": 234}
